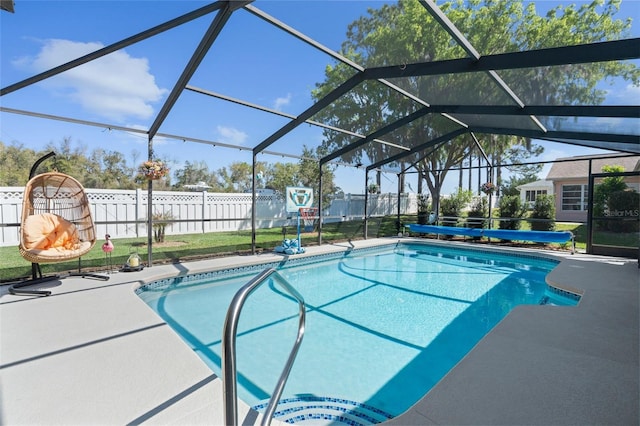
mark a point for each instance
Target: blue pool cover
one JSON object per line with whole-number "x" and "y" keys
{"x": 503, "y": 234}
{"x": 446, "y": 230}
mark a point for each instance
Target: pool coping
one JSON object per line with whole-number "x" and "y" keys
{"x": 91, "y": 353}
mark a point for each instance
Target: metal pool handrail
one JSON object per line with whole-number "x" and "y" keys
{"x": 229, "y": 347}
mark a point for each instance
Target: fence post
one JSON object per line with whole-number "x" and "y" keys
{"x": 138, "y": 210}
{"x": 204, "y": 209}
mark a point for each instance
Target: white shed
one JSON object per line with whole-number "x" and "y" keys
{"x": 529, "y": 191}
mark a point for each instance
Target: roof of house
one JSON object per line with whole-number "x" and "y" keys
{"x": 537, "y": 184}
{"x": 580, "y": 169}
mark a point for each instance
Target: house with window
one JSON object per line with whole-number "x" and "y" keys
{"x": 530, "y": 191}
{"x": 570, "y": 179}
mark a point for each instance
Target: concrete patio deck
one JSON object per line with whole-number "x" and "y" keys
{"x": 94, "y": 353}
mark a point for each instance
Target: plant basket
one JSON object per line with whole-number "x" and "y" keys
{"x": 153, "y": 170}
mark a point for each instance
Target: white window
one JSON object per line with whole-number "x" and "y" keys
{"x": 530, "y": 195}
{"x": 575, "y": 197}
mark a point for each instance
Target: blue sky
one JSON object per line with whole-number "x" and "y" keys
{"x": 250, "y": 60}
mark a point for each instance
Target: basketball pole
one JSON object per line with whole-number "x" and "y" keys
{"x": 299, "y": 239}
{"x": 298, "y": 198}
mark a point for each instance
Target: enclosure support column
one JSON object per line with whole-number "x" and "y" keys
{"x": 470, "y": 187}
{"x": 319, "y": 203}
{"x": 490, "y": 174}
{"x": 149, "y": 222}
{"x": 479, "y": 175}
{"x": 591, "y": 182}
{"x": 398, "y": 224}
{"x": 490, "y": 211}
{"x": 366, "y": 203}
{"x": 435, "y": 198}
{"x": 150, "y": 210}
{"x": 253, "y": 205}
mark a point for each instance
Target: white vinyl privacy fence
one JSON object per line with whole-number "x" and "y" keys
{"x": 121, "y": 213}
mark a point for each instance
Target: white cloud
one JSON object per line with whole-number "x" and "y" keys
{"x": 231, "y": 135}
{"x": 281, "y": 102}
{"x": 116, "y": 86}
{"x": 628, "y": 95}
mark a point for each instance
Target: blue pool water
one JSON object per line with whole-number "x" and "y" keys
{"x": 383, "y": 325}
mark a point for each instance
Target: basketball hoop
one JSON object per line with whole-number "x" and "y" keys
{"x": 310, "y": 216}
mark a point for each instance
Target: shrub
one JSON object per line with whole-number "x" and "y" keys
{"x": 511, "y": 208}
{"x": 544, "y": 208}
{"x": 453, "y": 205}
{"x": 603, "y": 190}
{"x": 160, "y": 223}
{"x": 624, "y": 204}
{"x": 478, "y": 213}
{"x": 476, "y": 218}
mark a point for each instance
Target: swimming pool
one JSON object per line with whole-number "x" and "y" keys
{"x": 384, "y": 325}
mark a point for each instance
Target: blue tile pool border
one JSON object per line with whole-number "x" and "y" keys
{"x": 564, "y": 293}
{"x": 308, "y": 260}
{"x": 241, "y": 270}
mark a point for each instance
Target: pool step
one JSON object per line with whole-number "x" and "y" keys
{"x": 318, "y": 411}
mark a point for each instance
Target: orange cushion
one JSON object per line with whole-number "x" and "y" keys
{"x": 66, "y": 235}
{"x": 47, "y": 230}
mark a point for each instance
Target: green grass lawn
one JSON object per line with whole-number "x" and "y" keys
{"x": 177, "y": 248}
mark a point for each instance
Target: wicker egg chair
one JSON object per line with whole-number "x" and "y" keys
{"x": 56, "y": 225}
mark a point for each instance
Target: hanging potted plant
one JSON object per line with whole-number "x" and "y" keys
{"x": 488, "y": 188}
{"x": 153, "y": 170}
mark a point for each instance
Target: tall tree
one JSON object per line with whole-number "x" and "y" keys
{"x": 406, "y": 32}
{"x": 192, "y": 173}
{"x": 281, "y": 175}
{"x": 115, "y": 166}
{"x": 108, "y": 169}
{"x": 15, "y": 163}
{"x": 521, "y": 174}
{"x": 98, "y": 169}
{"x": 309, "y": 172}
{"x": 237, "y": 177}
{"x": 70, "y": 160}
